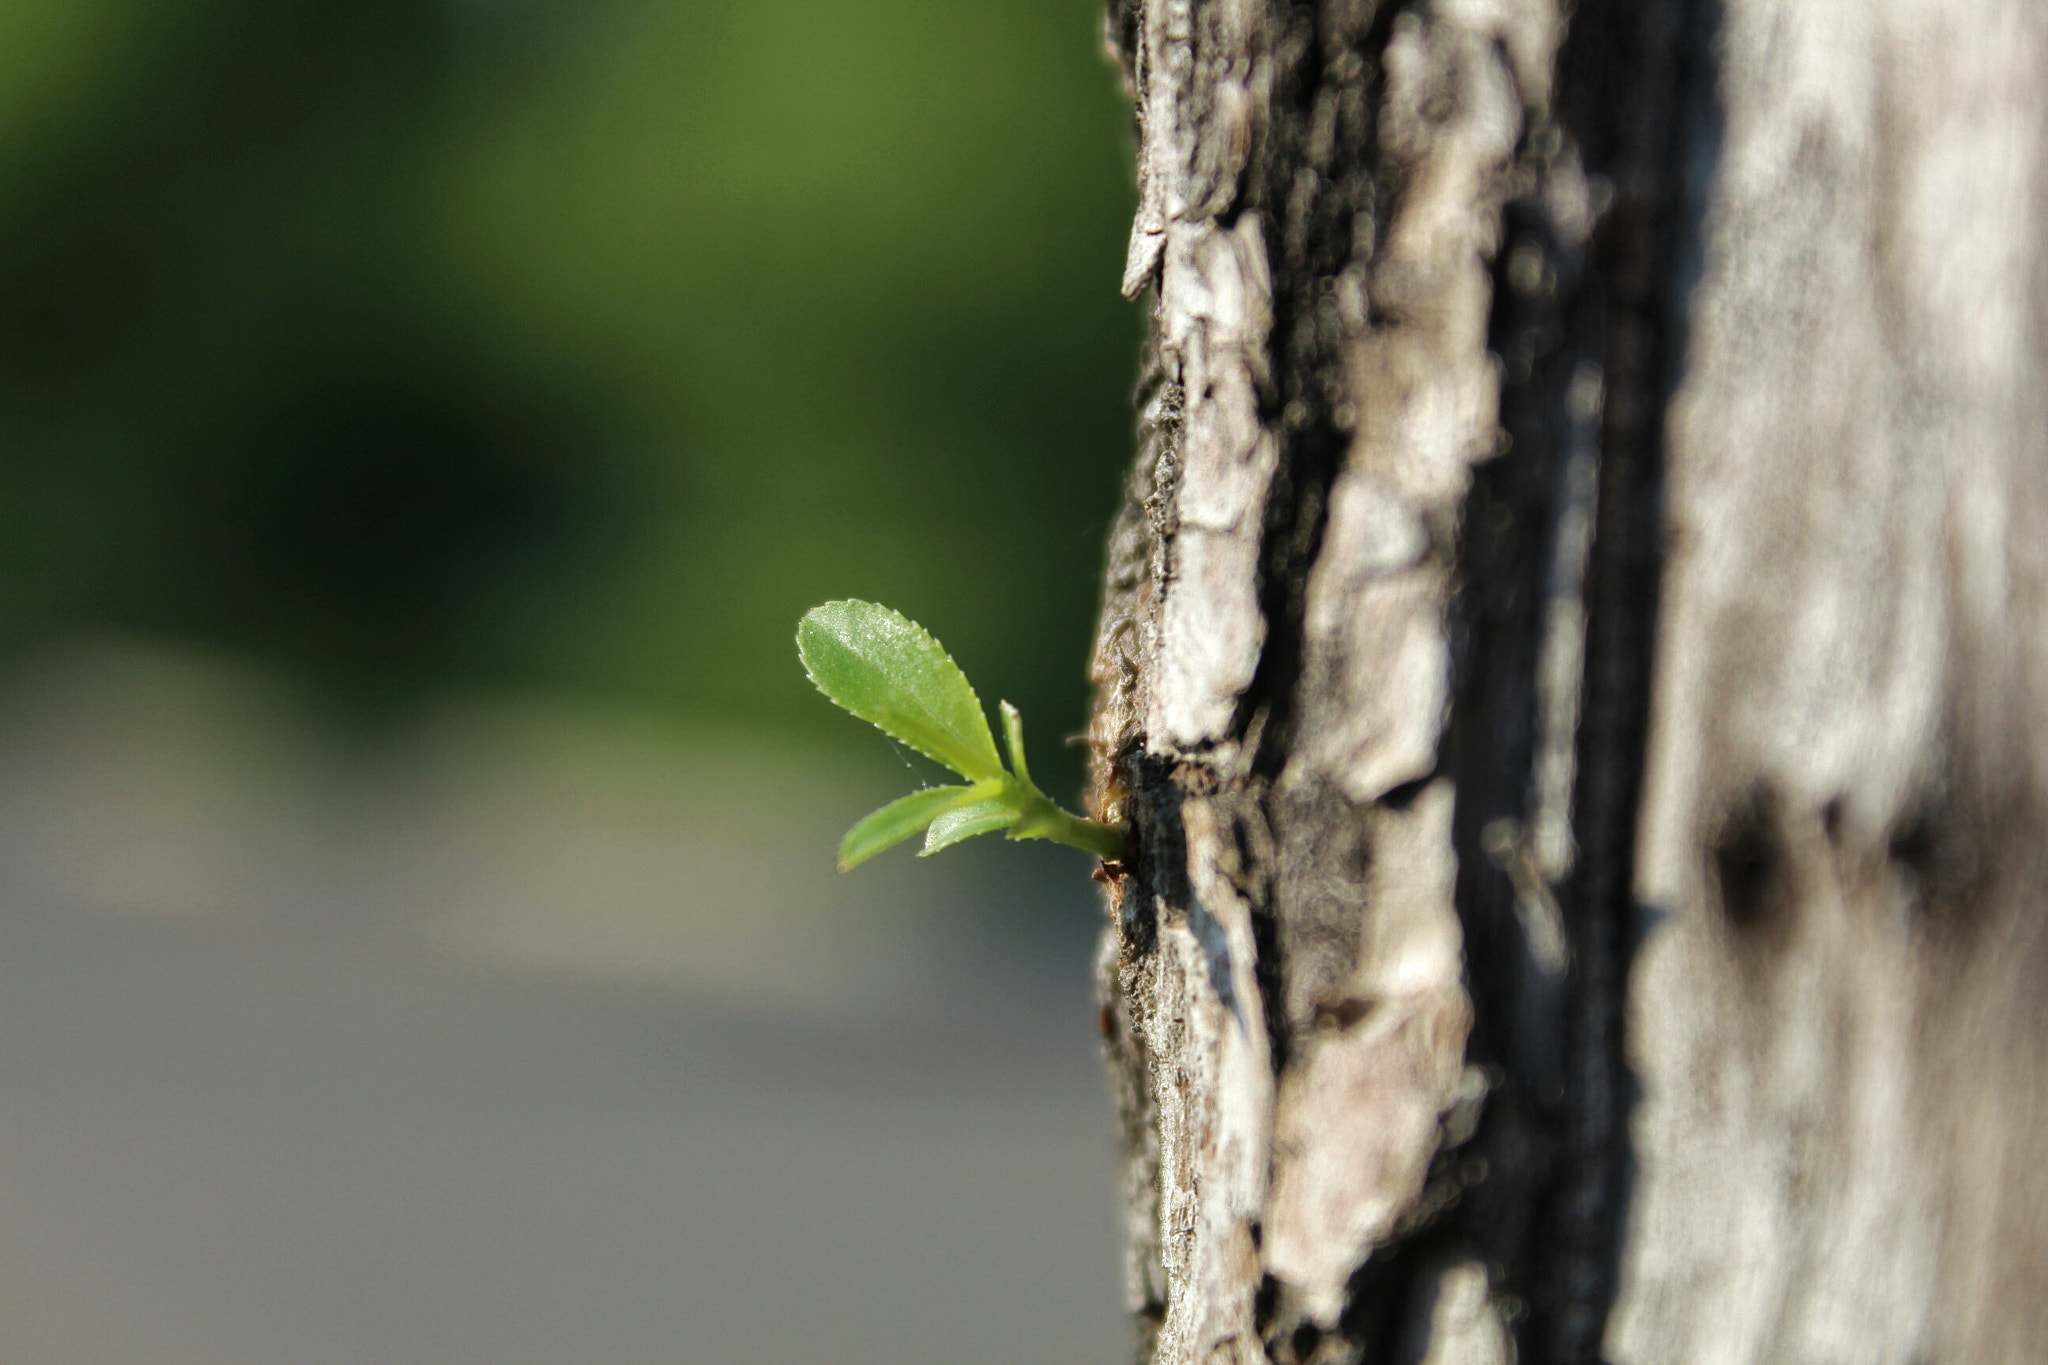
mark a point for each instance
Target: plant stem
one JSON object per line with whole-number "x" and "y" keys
{"x": 1042, "y": 818}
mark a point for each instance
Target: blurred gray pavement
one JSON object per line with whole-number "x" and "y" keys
{"x": 436, "y": 1058}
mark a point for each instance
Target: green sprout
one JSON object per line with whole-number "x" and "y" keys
{"x": 889, "y": 671}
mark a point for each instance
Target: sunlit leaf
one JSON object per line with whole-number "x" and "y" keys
{"x": 964, "y": 822}
{"x": 888, "y": 670}
{"x": 897, "y": 821}
{"x": 885, "y": 668}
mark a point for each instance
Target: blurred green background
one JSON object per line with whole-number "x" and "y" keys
{"x": 414, "y": 345}
{"x": 422, "y": 423}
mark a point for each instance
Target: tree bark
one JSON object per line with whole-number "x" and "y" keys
{"x": 1575, "y": 665}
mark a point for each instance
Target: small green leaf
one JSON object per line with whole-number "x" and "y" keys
{"x": 889, "y": 671}
{"x": 964, "y": 822}
{"x": 1013, "y": 740}
{"x": 897, "y": 821}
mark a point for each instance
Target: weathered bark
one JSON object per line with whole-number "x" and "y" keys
{"x": 1574, "y": 660}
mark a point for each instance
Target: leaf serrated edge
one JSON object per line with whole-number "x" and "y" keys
{"x": 803, "y": 657}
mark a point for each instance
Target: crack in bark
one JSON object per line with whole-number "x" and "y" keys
{"x": 1318, "y": 187}
{"x": 1555, "y": 1135}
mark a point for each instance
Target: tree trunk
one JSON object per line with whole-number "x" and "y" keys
{"x": 1573, "y": 660}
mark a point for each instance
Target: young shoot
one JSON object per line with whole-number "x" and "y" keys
{"x": 889, "y": 671}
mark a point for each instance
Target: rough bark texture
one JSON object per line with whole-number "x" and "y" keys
{"x": 1574, "y": 661}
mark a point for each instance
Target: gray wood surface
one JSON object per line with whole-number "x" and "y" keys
{"x": 1572, "y": 658}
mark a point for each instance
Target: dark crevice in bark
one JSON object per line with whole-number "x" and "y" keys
{"x": 1384, "y": 1300}
{"x": 1252, "y": 829}
{"x": 1313, "y": 184}
{"x": 1160, "y": 874}
{"x": 1325, "y": 188}
{"x": 1646, "y": 255}
{"x": 1315, "y": 187}
{"x": 1554, "y": 1136}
